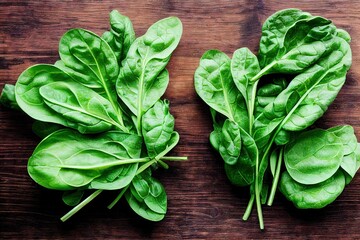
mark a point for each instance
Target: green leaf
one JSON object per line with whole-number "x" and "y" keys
{"x": 7, "y": 97}
{"x": 142, "y": 209}
{"x": 67, "y": 159}
{"x": 157, "y": 128}
{"x": 28, "y": 96}
{"x": 90, "y": 61}
{"x": 307, "y": 96}
{"x": 312, "y": 196}
{"x": 121, "y": 35}
{"x": 293, "y": 40}
{"x": 72, "y": 197}
{"x": 242, "y": 173}
{"x": 244, "y": 67}
{"x": 313, "y": 156}
{"x": 230, "y": 143}
{"x": 91, "y": 112}
{"x": 156, "y": 200}
{"x": 347, "y": 136}
{"x": 214, "y": 84}
{"x": 143, "y": 78}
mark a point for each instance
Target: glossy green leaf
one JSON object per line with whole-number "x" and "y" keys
{"x": 313, "y": 156}
{"x": 143, "y": 78}
{"x": 244, "y": 67}
{"x": 157, "y": 199}
{"x": 347, "y": 136}
{"x": 121, "y": 35}
{"x": 90, "y": 111}
{"x": 142, "y": 209}
{"x": 230, "y": 143}
{"x": 89, "y": 60}
{"x": 242, "y": 173}
{"x": 67, "y": 159}
{"x": 293, "y": 40}
{"x": 7, "y": 97}
{"x": 214, "y": 84}
{"x": 72, "y": 197}
{"x": 28, "y": 96}
{"x": 312, "y": 196}
{"x": 307, "y": 96}
{"x": 157, "y": 128}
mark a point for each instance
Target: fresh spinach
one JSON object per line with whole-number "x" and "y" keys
{"x": 301, "y": 64}
{"x": 99, "y": 112}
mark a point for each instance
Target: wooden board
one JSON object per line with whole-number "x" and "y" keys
{"x": 201, "y": 202}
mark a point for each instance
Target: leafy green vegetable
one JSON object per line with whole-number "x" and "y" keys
{"x": 312, "y": 196}
{"x": 313, "y": 156}
{"x": 7, "y": 97}
{"x": 264, "y": 101}
{"x": 99, "y": 112}
{"x": 121, "y": 35}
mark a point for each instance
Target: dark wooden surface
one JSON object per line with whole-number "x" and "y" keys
{"x": 201, "y": 202}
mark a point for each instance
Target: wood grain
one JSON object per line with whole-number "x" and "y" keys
{"x": 202, "y": 203}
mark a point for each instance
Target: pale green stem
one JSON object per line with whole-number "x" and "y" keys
{"x": 276, "y": 178}
{"x": 81, "y": 205}
{"x": 249, "y": 208}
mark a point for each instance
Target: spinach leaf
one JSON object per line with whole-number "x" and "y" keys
{"x": 313, "y": 156}
{"x": 7, "y": 97}
{"x": 215, "y": 85}
{"x": 28, "y": 96}
{"x": 230, "y": 143}
{"x": 244, "y": 67}
{"x": 67, "y": 159}
{"x": 90, "y": 111}
{"x": 312, "y": 196}
{"x": 307, "y": 96}
{"x": 142, "y": 209}
{"x": 157, "y": 128}
{"x": 298, "y": 43}
{"x": 242, "y": 173}
{"x": 72, "y": 197}
{"x": 89, "y": 60}
{"x": 121, "y": 35}
{"x": 143, "y": 78}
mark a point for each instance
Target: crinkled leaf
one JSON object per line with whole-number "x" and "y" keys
{"x": 143, "y": 79}
{"x": 67, "y": 159}
{"x": 121, "y": 35}
{"x": 214, "y": 84}
{"x": 312, "y": 196}
{"x": 230, "y": 143}
{"x": 157, "y": 127}
{"x": 7, "y": 97}
{"x": 313, "y": 156}
{"x": 75, "y": 103}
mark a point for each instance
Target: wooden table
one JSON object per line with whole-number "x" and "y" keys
{"x": 201, "y": 202}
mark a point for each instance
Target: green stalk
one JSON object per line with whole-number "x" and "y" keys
{"x": 140, "y": 170}
{"x": 276, "y": 178}
{"x": 249, "y": 207}
{"x": 80, "y": 205}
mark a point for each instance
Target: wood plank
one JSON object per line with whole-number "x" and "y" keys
{"x": 202, "y": 203}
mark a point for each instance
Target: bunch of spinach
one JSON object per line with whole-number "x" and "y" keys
{"x": 302, "y": 61}
{"x": 99, "y": 111}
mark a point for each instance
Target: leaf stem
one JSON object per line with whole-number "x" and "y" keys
{"x": 249, "y": 207}
{"x": 257, "y": 194}
{"x": 80, "y": 205}
{"x": 173, "y": 158}
{"x": 140, "y": 170}
{"x": 106, "y": 165}
{"x": 276, "y": 178}
{"x": 118, "y": 197}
